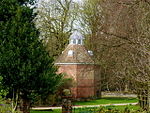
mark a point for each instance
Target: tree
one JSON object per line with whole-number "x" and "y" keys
{"x": 121, "y": 42}
{"x": 55, "y": 21}
{"x": 25, "y": 66}
{"x": 94, "y": 21}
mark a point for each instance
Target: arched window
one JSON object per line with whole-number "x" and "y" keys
{"x": 79, "y": 41}
{"x": 74, "y": 41}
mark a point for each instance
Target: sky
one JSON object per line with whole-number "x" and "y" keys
{"x": 77, "y": 0}
{"x": 73, "y": 0}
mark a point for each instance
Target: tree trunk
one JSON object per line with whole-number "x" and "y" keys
{"x": 143, "y": 100}
{"x": 148, "y": 97}
{"x": 25, "y": 105}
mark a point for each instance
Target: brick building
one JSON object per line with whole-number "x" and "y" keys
{"x": 77, "y": 63}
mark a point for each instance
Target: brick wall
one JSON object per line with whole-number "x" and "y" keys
{"x": 86, "y": 78}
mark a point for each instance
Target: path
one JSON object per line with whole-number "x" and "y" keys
{"x": 118, "y": 94}
{"x": 47, "y": 108}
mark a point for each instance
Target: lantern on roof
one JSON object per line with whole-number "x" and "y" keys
{"x": 76, "y": 38}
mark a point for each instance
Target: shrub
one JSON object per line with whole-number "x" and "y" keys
{"x": 5, "y": 107}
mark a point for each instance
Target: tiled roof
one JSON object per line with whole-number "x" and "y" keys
{"x": 80, "y": 55}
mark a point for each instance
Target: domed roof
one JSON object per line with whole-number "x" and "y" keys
{"x": 76, "y": 35}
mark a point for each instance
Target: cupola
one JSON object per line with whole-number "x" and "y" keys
{"x": 76, "y": 38}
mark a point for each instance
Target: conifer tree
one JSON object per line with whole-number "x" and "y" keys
{"x": 25, "y": 66}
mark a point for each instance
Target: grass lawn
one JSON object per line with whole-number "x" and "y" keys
{"x": 107, "y": 100}
{"x": 44, "y": 111}
{"x": 131, "y": 107}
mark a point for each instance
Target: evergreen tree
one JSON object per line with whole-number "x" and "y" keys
{"x": 25, "y": 66}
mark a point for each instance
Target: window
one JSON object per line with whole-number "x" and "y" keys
{"x": 74, "y": 41}
{"x": 90, "y": 53}
{"x": 79, "y": 41}
{"x": 70, "y": 53}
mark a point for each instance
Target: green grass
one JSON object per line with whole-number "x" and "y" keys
{"x": 44, "y": 111}
{"x": 131, "y": 107}
{"x": 107, "y": 100}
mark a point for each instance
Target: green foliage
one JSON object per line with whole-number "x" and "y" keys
{"x": 25, "y": 66}
{"x": 5, "y": 107}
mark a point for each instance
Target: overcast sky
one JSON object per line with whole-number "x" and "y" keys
{"x": 77, "y": 0}
{"x": 73, "y": 0}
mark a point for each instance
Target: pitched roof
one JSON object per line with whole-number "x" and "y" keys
{"x": 79, "y": 55}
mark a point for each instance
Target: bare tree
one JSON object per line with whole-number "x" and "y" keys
{"x": 55, "y": 20}
{"x": 118, "y": 33}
